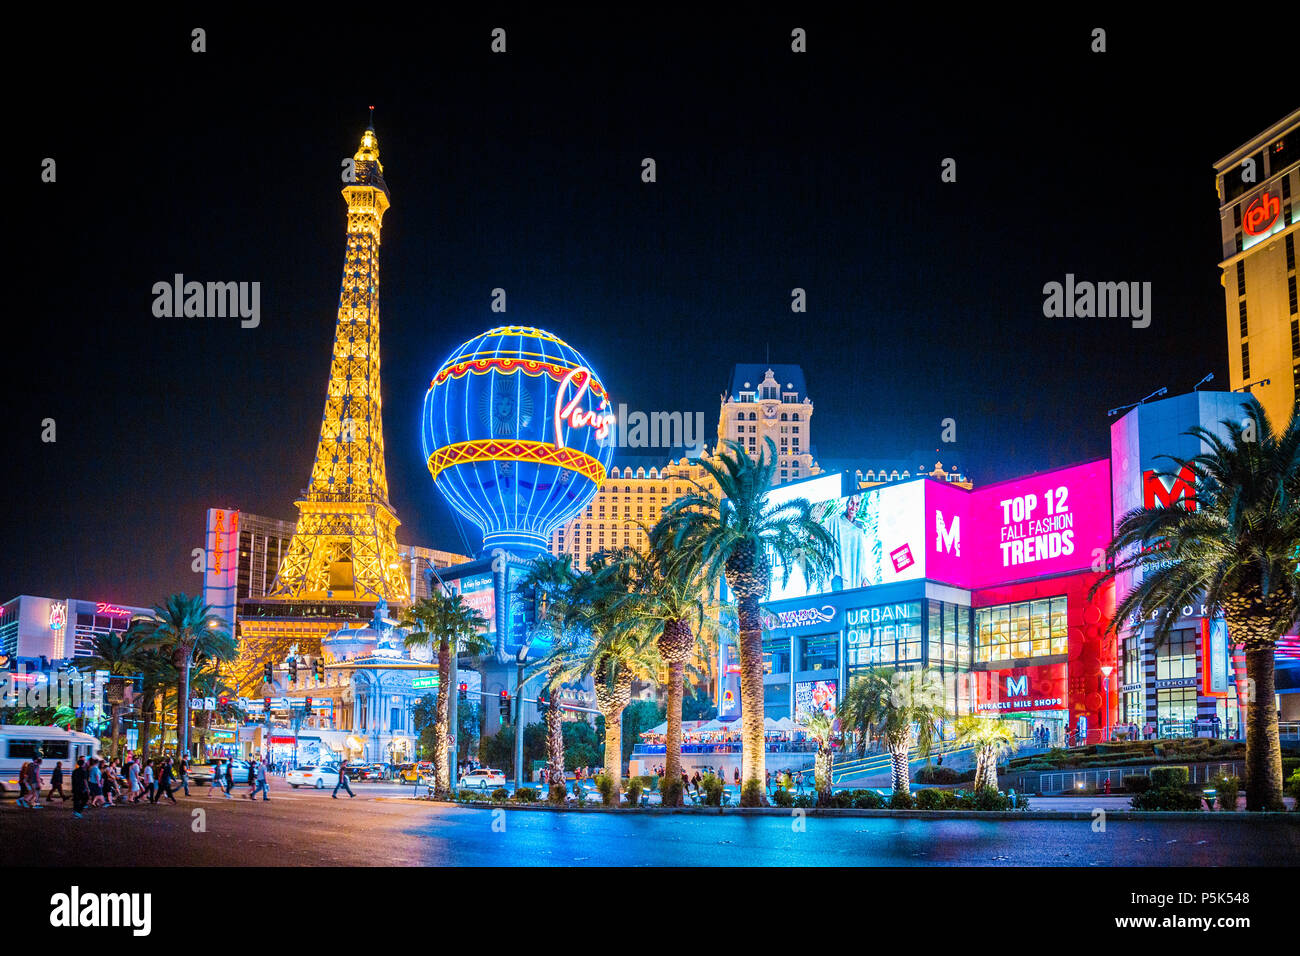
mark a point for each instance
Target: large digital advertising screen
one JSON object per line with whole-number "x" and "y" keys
{"x": 878, "y": 536}
{"x": 1042, "y": 525}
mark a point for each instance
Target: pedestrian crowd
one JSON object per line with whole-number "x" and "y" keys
{"x": 112, "y": 782}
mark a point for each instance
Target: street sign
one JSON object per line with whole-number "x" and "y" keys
{"x": 196, "y": 703}
{"x": 422, "y": 683}
{"x": 209, "y": 703}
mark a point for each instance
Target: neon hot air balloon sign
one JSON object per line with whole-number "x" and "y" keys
{"x": 571, "y": 412}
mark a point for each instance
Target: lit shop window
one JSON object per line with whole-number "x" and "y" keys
{"x": 1176, "y": 657}
{"x": 1019, "y": 631}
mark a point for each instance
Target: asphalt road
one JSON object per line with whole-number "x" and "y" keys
{"x": 308, "y": 828}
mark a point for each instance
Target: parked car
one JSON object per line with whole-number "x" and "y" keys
{"x": 482, "y": 779}
{"x": 365, "y": 771}
{"x": 318, "y": 777}
{"x": 408, "y": 773}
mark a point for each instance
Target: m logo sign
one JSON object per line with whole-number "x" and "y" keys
{"x": 1018, "y": 686}
{"x": 947, "y": 539}
{"x": 1160, "y": 491}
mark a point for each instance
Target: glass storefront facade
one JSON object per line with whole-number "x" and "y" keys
{"x": 886, "y": 635}
{"x": 1021, "y": 631}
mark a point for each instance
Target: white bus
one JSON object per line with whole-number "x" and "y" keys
{"x": 19, "y": 743}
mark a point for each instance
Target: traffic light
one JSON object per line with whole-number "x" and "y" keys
{"x": 505, "y": 706}
{"x": 293, "y": 670}
{"x": 266, "y": 673}
{"x": 464, "y": 692}
{"x": 307, "y": 705}
{"x": 319, "y": 669}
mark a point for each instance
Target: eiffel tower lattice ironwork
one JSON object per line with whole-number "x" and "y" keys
{"x": 345, "y": 543}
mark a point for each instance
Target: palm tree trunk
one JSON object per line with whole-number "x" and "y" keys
{"x": 1263, "y": 745}
{"x": 441, "y": 765}
{"x": 183, "y": 652}
{"x": 822, "y": 773}
{"x": 146, "y": 718}
{"x": 614, "y": 750}
{"x": 116, "y": 711}
{"x": 753, "y": 767}
{"x": 989, "y": 759}
{"x": 554, "y": 734}
{"x": 900, "y": 777}
{"x": 673, "y": 739}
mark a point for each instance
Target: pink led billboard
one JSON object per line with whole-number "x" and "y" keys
{"x": 1041, "y": 525}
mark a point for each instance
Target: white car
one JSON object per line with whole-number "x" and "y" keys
{"x": 483, "y": 779}
{"x": 318, "y": 777}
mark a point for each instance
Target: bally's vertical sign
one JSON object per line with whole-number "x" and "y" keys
{"x": 220, "y": 576}
{"x": 1215, "y": 660}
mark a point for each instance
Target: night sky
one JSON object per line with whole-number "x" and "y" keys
{"x": 522, "y": 170}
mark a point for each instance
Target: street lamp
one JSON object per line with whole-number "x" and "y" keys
{"x": 519, "y": 717}
{"x": 1105, "y": 703}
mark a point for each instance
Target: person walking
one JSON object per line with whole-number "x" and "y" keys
{"x": 343, "y": 781}
{"x": 183, "y": 774}
{"x": 95, "y": 780}
{"x": 22, "y": 783}
{"x": 164, "y": 783}
{"x": 230, "y": 778}
{"x": 260, "y": 784}
{"x": 150, "y": 784}
{"x": 133, "y": 779}
{"x": 80, "y": 790}
{"x": 34, "y": 782}
{"x": 56, "y": 782}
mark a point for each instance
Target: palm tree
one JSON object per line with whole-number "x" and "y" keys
{"x": 186, "y": 626}
{"x": 550, "y": 580}
{"x": 670, "y": 600}
{"x": 991, "y": 739}
{"x": 616, "y": 648}
{"x": 455, "y": 625}
{"x": 739, "y": 539}
{"x": 157, "y": 670}
{"x": 895, "y": 705}
{"x": 1233, "y": 547}
{"x": 117, "y": 652}
{"x": 821, "y": 728}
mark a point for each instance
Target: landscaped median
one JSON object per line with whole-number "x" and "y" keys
{"x": 1112, "y": 815}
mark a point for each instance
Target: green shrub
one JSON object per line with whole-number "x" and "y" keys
{"x": 1293, "y": 787}
{"x": 671, "y": 792}
{"x": 1166, "y": 798}
{"x": 558, "y": 793}
{"x": 937, "y": 775}
{"x": 842, "y": 799}
{"x": 500, "y": 793}
{"x": 751, "y": 795}
{"x": 1137, "y": 783}
{"x": 867, "y": 800}
{"x": 527, "y": 795}
{"x": 605, "y": 784}
{"x": 782, "y": 798}
{"x": 1163, "y": 778}
{"x": 465, "y": 796}
{"x": 936, "y": 800}
{"x": 805, "y": 800}
{"x": 986, "y": 798}
{"x": 713, "y": 788}
{"x": 899, "y": 800}
{"x": 1225, "y": 792}
{"x": 649, "y": 782}
{"x": 634, "y": 791}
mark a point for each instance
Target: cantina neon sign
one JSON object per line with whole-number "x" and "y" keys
{"x": 573, "y": 414}
{"x": 1261, "y": 214}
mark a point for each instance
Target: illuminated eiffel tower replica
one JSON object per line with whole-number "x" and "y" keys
{"x": 343, "y": 559}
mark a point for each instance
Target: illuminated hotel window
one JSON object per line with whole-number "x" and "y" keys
{"x": 1024, "y": 630}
